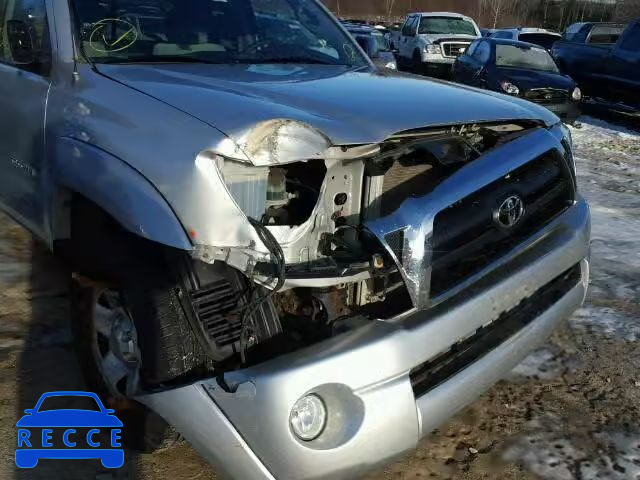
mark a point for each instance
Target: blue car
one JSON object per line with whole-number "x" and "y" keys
{"x": 43, "y": 420}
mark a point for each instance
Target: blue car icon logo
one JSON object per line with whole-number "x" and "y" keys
{"x": 59, "y": 432}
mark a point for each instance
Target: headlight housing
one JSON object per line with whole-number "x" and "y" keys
{"x": 433, "y": 49}
{"x": 282, "y": 141}
{"x": 308, "y": 417}
{"x": 509, "y": 88}
{"x": 576, "y": 95}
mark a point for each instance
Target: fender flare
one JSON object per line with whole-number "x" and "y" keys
{"x": 120, "y": 190}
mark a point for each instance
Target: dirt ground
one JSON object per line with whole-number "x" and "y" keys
{"x": 571, "y": 411}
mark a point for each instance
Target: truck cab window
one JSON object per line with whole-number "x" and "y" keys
{"x": 605, "y": 34}
{"x": 24, "y": 35}
{"x": 408, "y": 30}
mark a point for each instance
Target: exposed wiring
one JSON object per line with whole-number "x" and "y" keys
{"x": 257, "y": 300}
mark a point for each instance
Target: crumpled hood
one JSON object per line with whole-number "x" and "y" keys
{"x": 349, "y": 107}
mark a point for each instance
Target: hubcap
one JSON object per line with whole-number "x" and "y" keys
{"x": 115, "y": 344}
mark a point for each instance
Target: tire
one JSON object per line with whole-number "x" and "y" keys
{"x": 143, "y": 430}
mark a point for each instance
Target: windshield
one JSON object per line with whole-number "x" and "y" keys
{"x": 212, "y": 31}
{"x": 511, "y": 56}
{"x": 545, "y": 40}
{"x": 446, "y": 26}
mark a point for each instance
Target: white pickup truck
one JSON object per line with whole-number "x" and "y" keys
{"x": 430, "y": 42}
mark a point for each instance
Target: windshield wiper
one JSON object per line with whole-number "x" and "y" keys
{"x": 158, "y": 59}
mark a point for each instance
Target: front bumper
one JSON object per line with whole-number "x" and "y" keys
{"x": 568, "y": 112}
{"x": 364, "y": 376}
{"x": 437, "y": 59}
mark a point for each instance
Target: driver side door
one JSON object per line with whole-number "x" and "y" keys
{"x": 25, "y": 60}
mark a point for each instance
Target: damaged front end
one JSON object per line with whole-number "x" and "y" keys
{"x": 343, "y": 235}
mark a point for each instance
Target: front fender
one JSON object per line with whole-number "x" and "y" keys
{"x": 119, "y": 190}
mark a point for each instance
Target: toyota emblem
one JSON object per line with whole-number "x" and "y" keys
{"x": 510, "y": 212}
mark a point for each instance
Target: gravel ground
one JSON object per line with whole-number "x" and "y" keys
{"x": 569, "y": 411}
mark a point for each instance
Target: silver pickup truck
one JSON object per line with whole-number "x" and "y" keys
{"x": 302, "y": 263}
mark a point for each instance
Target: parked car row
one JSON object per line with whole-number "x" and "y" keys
{"x": 598, "y": 58}
{"x": 605, "y": 60}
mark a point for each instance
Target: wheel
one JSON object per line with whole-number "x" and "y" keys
{"x": 107, "y": 347}
{"x": 145, "y": 317}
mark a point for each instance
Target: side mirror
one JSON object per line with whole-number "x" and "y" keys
{"x": 20, "y": 42}
{"x": 369, "y": 45}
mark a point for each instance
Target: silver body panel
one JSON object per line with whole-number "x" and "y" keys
{"x": 384, "y": 417}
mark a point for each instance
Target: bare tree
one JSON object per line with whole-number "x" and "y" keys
{"x": 388, "y": 7}
{"x": 521, "y": 9}
{"x": 496, "y": 8}
{"x": 545, "y": 10}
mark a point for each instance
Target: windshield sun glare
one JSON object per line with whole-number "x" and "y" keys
{"x": 202, "y": 31}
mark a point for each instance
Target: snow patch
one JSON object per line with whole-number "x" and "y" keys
{"x": 609, "y": 454}
{"x": 546, "y": 363}
{"x": 607, "y": 322}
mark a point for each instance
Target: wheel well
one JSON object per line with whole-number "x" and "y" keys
{"x": 90, "y": 241}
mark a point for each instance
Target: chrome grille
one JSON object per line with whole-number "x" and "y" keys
{"x": 454, "y": 49}
{"x": 547, "y": 95}
{"x": 465, "y": 236}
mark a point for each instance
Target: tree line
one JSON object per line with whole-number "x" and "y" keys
{"x": 552, "y": 14}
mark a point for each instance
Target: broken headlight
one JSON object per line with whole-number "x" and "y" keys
{"x": 255, "y": 189}
{"x": 278, "y": 195}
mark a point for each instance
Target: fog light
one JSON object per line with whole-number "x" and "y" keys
{"x": 308, "y": 417}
